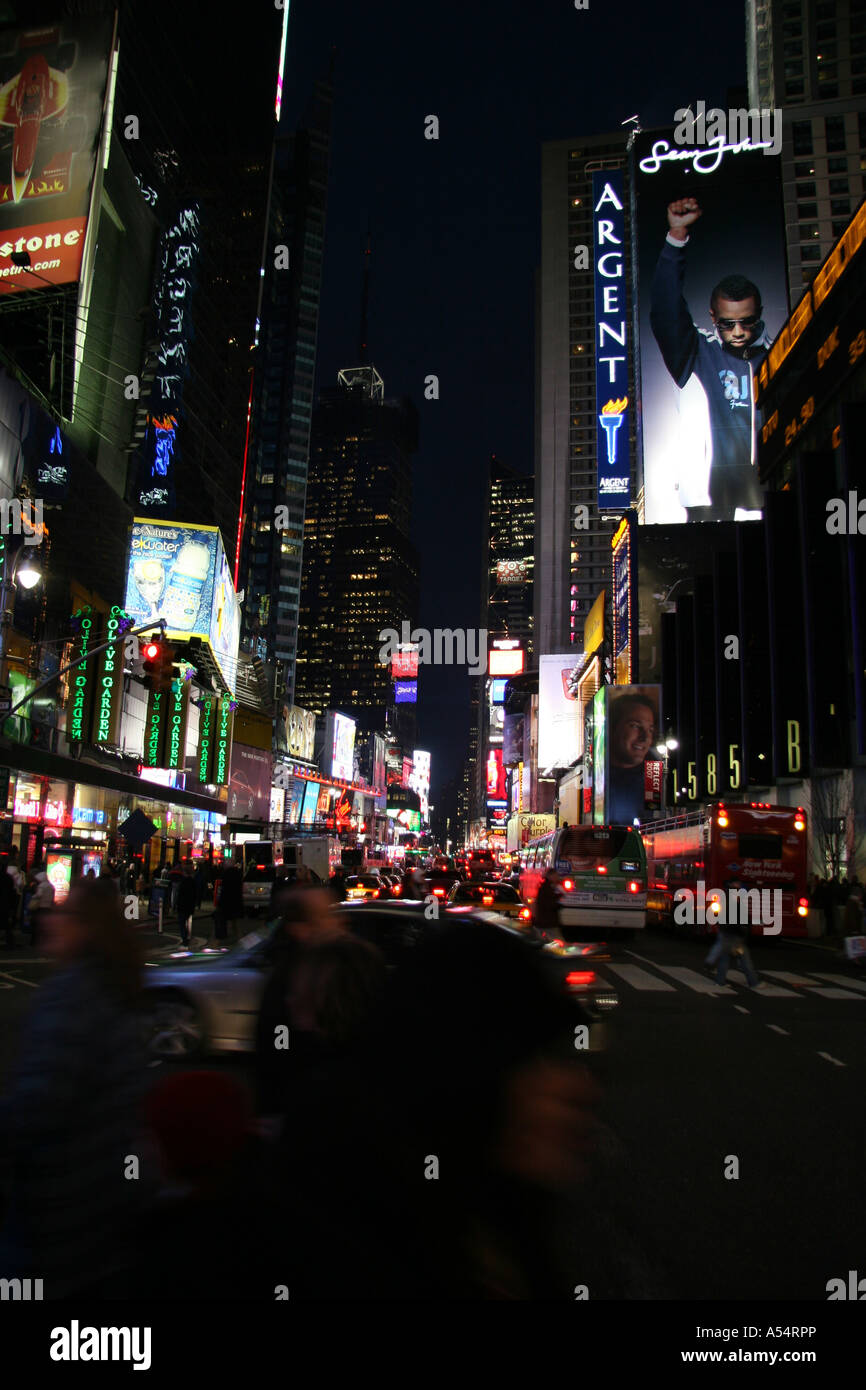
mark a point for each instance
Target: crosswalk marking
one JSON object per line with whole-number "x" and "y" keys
{"x": 701, "y": 984}
{"x": 774, "y": 991}
{"x": 776, "y": 1029}
{"x": 831, "y": 993}
{"x": 640, "y": 979}
{"x": 788, "y": 977}
{"x": 842, "y": 980}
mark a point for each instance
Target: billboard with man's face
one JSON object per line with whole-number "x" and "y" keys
{"x": 53, "y": 83}
{"x": 710, "y": 228}
{"x": 627, "y": 723}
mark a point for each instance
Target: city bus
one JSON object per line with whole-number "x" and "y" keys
{"x": 602, "y": 874}
{"x": 754, "y": 845}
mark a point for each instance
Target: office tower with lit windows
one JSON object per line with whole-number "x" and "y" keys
{"x": 510, "y": 543}
{"x": 284, "y": 361}
{"x": 808, "y": 58}
{"x": 571, "y": 565}
{"x": 360, "y": 572}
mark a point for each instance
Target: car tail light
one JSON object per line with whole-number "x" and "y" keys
{"x": 601, "y": 868}
{"x": 580, "y": 978}
{"x": 634, "y": 886}
{"x": 799, "y": 819}
{"x": 398, "y": 890}
{"x": 723, "y": 820}
{"x": 525, "y": 915}
{"x": 803, "y": 907}
{"x": 375, "y": 892}
{"x": 487, "y": 899}
{"x": 568, "y": 884}
{"x": 439, "y": 892}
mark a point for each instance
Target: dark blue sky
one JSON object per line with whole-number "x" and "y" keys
{"x": 456, "y": 226}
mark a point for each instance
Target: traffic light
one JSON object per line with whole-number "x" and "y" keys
{"x": 158, "y": 661}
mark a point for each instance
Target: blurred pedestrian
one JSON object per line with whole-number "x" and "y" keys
{"x": 337, "y": 884}
{"x": 853, "y": 920}
{"x": 70, "y": 1118}
{"x": 440, "y": 1156}
{"x": 8, "y": 904}
{"x": 41, "y": 901}
{"x": 305, "y": 915}
{"x": 545, "y": 910}
{"x": 186, "y": 903}
{"x": 212, "y": 1165}
{"x": 734, "y": 942}
{"x": 230, "y": 905}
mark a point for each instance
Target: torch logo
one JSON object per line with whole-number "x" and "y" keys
{"x": 611, "y": 419}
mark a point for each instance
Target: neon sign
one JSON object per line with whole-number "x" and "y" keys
{"x": 611, "y": 342}
{"x": 703, "y": 161}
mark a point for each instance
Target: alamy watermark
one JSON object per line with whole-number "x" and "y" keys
{"x": 20, "y": 515}
{"x": 737, "y": 129}
{"x": 441, "y": 647}
{"x": 729, "y": 907}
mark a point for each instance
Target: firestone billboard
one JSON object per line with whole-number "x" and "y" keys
{"x": 53, "y": 95}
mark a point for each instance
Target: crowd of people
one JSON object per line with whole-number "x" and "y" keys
{"x": 410, "y": 1134}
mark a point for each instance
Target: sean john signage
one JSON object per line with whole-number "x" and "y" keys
{"x": 611, "y": 342}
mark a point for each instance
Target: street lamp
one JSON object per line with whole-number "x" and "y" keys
{"x": 664, "y": 750}
{"x": 29, "y": 576}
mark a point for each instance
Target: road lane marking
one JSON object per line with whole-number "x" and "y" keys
{"x": 776, "y": 1029}
{"x": 640, "y": 979}
{"x": 5, "y": 976}
{"x": 842, "y": 980}
{"x": 740, "y": 1010}
{"x": 828, "y": 1058}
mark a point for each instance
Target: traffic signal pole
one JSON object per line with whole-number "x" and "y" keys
{"x": 134, "y": 632}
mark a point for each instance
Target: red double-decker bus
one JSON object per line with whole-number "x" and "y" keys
{"x": 750, "y": 845}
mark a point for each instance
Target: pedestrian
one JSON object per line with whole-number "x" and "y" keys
{"x": 186, "y": 902}
{"x": 734, "y": 941}
{"x": 545, "y": 910}
{"x": 41, "y": 900}
{"x": 70, "y": 1114}
{"x": 853, "y": 921}
{"x": 200, "y": 882}
{"x": 8, "y": 904}
{"x": 230, "y": 906}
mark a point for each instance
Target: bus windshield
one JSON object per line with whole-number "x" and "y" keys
{"x": 586, "y": 846}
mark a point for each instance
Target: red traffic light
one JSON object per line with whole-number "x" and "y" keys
{"x": 151, "y": 651}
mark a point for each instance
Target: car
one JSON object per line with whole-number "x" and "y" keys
{"x": 395, "y": 926}
{"x": 258, "y": 888}
{"x": 208, "y": 1001}
{"x": 493, "y": 895}
{"x": 480, "y": 863}
{"x": 366, "y": 886}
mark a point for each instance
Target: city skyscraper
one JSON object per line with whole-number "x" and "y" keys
{"x": 360, "y": 573}
{"x": 571, "y": 563}
{"x": 277, "y": 458}
{"x": 808, "y": 58}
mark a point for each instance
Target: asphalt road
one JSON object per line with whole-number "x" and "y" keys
{"x": 698, "y": 1083}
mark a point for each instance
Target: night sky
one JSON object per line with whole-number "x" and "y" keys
{"x": 456, "y": 227}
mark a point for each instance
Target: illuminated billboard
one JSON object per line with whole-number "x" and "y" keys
{"x": 627, "y": 720}
{"x": 180, "y": 573}
{"x": 511, "y": 571}
{"x": 558, "y": 711}
{"x": 300, "y": 732}
{"x": 497, "y": 691}
{"x": 404, "y": 664}
{"x": 52, "y": 103}
{"x": 250, "y": 786}
{"x": 613, "y": 412}
{"x": 506, "y": 660}
{"x": 496, "y": 776}
{"x": 624, "y": 610}
{"x": 311, "y": 802}
{"x": 339, "y": 746}
{"x": 405, "y": 692}
{"x": 419, "y": 780}
{"x": 712, "y": 293}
